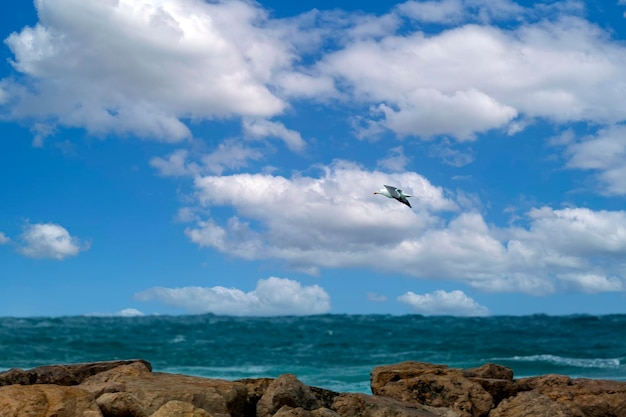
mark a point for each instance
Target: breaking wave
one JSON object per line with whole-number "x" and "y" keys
{"x": 601, "y": 363}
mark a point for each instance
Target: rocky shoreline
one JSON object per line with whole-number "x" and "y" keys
{"x": 408, "y": 389}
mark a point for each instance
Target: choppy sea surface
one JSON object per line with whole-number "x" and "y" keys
{"x": 335, "y": 352}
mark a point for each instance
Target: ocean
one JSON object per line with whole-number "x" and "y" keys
{"x": 335, "y": 352}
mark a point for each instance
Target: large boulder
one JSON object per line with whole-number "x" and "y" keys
{"x": 46, "y": 401}
{"x": 136, "y": 388}
{"x": 72, "y": 374}
{"x": 179, "y": 408}
{"x": 531, "y": 404}
{"x": 286, "y": 390}
{"x": 432, "y": 385}
{"x": 120, "y": 404}
{"x": 258, "y": 386}
{"x": 362, "y": 405}
{"x": 497, "y": 380}
{"x": 594, "y": 397}
{"x": 286, "y": 411}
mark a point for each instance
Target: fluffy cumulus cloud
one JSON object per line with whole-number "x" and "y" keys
{"x": 395, "y": 161}
{"x": 272, "y": 297}
{"x": 473, "y": 77}
{"x": 147, "y": 68}
{"x": 49, "y": 240}
{"x": 334, "y": 221}
{"x": 125, "y": 312}
{"x": 129, "y": 312}
{"x": 603, "y": 153}
{"x": 266, "y": 128}
{"x": 441, "y": 302}
{"x": 227, "y": 156}
{"x": 4, "y": 239}
{"x": 142, "y": 67}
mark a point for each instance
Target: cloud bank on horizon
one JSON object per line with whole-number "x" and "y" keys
{"x": 450, "y": 73}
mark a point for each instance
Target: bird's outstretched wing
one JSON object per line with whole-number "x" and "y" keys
{"x": 398, "y": 195}
{"x": 393, "y": 191}
{"x": 403, "y": 200}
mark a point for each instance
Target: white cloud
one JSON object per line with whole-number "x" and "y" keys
{"x": 195, "y": 60}
{"x": 174, "y": 165}
{"x": 4, "y": 239}
{"x": 604, "y": 153}
{"x": 591, "y": 283}
{"x": 472, "y": 78}
{"x": 129, "y": 312}
{"x": 49, "y": 240}
{"x": 272, "y": 297}
{"x": 395, "y": 160}
{"x": 231, "y": 156}
{"x": 313, "y": 222}
{"x": 440, "y": 302}
{"x": 334, "y": 221}
{"x": 227, "y": 156}
{"x": 126, "y": 312}
{"x": 446, "y": 11}
{"x": 259, "y": 128}
{"x": 450, "y": 155}
{"x": 141, "y": 68}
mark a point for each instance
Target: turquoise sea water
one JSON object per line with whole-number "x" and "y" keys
{"x": 336, "y": 352}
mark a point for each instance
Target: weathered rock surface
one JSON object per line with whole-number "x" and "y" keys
{"x": 286, "y": 390}
{"x": 594, "y": 398}
{"x": 47, "y": 401}
{"x": 120, "y": 404}
{"x": 61, "y": 374}
{"x": 530, "y": 403}
{"x": 286, "y": 411}
{"x": 258, "y": 386}
{"x": 408, "y": 389}
{"x": 180, "y": 408}
{"x": 150, "y": 391}
{"x": 433, "y": 385}
{"x": 362, "y": 405}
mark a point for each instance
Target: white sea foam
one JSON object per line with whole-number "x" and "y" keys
{"x": 602, "y": 363}
{"x": 178, "y": 339}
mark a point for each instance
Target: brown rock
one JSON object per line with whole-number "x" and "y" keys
{"x": 286, "y": 390}
{"x": 362, "y": 405}
{"x": 153, "y": 390}
{"x": 66, "y": 375}
{"x": 324, "y": 412}
{"x": 324, "y": 396}
{"x": 497, "y": 380}
{"x": 120, "y": 404}
{"x": 286, "y": 411}
{"x": 499, "y": 389}
{"x": 432, "y": 385}
{"x": 256, "y": 388}
{"x": 46, "y": 401}
{"x": 490, "y": 371}
{"x": 532, "y": 404}
{"x": 179, "y": 408}
{"x": 595, "y": 398}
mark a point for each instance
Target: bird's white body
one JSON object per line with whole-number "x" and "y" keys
{"x": 395, "y": 193}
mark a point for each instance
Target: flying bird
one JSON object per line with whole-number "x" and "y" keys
{"x": 393, "y": 192}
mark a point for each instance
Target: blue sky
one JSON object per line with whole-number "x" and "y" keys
{"x": 183, "y": 156}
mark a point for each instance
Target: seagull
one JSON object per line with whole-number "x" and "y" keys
{"x": 393, "y": 192}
